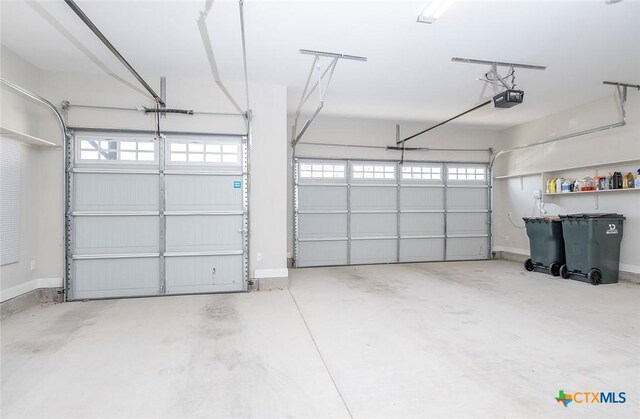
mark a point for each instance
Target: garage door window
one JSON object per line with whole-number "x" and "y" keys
{"x": 201, "y": 153}
{"x": 116, "y": 150}
{"x": 321, "y": 171}
{"x": 364, "y": 171}
{"x": 421, "y": 173}
{"x": 466, "y": 173}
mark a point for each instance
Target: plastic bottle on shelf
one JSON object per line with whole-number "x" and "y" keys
{"x": 559, "y": 182}
{"x": 617, "y": 180}
{"x": 603, "y": 183}
{"x": 589, "y": 184}
{"x": 627, "y": 181}
{"x": 609, "y": 181}
{"x": 567, "y": 186}
{"x": 637, "y": 182}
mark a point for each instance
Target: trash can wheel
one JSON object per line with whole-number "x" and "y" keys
{"x": 554, "y": 268}
{"x": 564, "y": 272}
{"x": 528, "y": 265}
{"x": 595, "y": 276}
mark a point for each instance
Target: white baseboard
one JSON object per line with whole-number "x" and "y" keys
{"x": 24, "y": 288}
{"x": 515, "y": 250}
{"x": 271, "y": 273}
{"x": 624, "y": 267}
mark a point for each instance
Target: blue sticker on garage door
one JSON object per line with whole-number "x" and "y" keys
{"x": 237, "y": 184}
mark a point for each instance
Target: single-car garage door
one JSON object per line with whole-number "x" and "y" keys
{"x": 154, "y": 217}
{"x": 350, "y": 212}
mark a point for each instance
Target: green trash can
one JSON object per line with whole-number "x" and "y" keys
{"x": 546, "y": 243}
{"x": 592, "y": 246}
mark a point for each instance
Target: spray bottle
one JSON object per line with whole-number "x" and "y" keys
{"x": 637, "y": 182}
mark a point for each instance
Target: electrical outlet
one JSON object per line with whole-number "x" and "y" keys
{"x": 33, "y": 265}
{"x": 259, "y": 257}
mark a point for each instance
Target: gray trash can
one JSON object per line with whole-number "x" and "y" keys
{"x": 592, "y": 246}
{"x": 546, "y": 243}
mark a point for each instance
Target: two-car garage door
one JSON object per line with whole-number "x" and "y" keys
{"x": 153, "y": 217}
{"x": 361, "y": 212}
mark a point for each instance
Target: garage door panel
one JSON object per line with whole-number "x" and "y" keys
{"x": 467, "y": 223}
{"x": 197, "y": 233}
{"x": 318, "y": 226}
{"x": 116, "y": 235}
{"x": 373, "y": 225}
{"x": 109, "y": 278}
{"x": 116, "y": 192}
{"x": 204, "y": 193}
{"x": 421, "y": 198}
{"x": 421, "y": 250}
{"x": 373, "y": 251}
{"x": 421, "y": 224}
{"x": 196, "y": 274}
{"x": 467, "y": 198}
{"x": 136, "y": 232}
{"x": 420, "y": 211}
{"x": 469, "y": 248}
{"x": 380, "y": 198}
{"x": 322, "y": 253}
{"x": 322, "y": 198}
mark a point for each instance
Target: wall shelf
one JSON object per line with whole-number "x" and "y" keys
{"x": 26, "y": 138}
{"x": 567, "y": 169}
{"x": 593, "y": 192}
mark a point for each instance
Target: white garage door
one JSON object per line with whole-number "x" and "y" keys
{"x": 364, "y": 212}
{"x": 154, "y": 217}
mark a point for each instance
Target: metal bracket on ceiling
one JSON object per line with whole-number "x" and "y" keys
{"x": 493, "y": 78}
{"x": 322, "y": 90}
{"x": 625, "y": 85}
{"x": 163, "y": 94}
{"x": 206, "y": 41}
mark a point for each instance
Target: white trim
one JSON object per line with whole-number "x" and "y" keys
{"x": 271, "y": 273}
{"x": 26, "y": 287}
{"x": 625, "y": 267}
{"x": 515, "y": 250}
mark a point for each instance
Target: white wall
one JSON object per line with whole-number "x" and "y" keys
{"x": 514, "y": 195}
{"x": 41, "y": 173}
{"x": 19, "y": 113}
{"x": 329, "y": 129}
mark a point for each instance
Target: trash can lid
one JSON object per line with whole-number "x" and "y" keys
{"x": 546, "y": 219}
{"x": 594, "y": 215}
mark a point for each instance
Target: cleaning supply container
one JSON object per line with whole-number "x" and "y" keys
{"x": 592, "y": 247}
{"x": 546, "y": 243}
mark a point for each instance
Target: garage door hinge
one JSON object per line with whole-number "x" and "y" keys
{"x": 62, "y": 291}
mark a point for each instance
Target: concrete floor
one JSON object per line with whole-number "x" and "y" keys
{"x": 473, "y": 339}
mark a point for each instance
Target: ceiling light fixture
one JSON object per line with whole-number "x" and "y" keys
{"x": 434, "y": 10}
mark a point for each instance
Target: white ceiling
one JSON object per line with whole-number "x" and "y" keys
{"x": 409, "y": 75}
